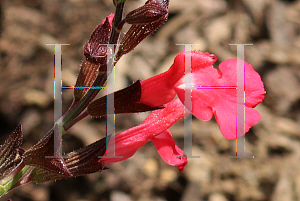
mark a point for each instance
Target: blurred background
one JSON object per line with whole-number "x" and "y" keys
{"x": 26, "y": 96}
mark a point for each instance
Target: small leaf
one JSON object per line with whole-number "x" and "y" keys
{"x": 46, "y": 155}
{"x": 86, "y": 160}
{"x": 125, "y": 101}
{"x": 10, "y": 152}
{"x": 79, "y": 162}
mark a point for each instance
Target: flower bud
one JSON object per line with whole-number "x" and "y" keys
{"x": 95, "y": 55}
{"x": 145, "y": 20}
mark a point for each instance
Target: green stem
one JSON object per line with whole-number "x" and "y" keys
{"x": 4, "y": 188}
{"x": 84, "y": 101}
{"x": 114, "y": 36}
{"x": 120, "y": 1}
{"x": 77, "y": 119}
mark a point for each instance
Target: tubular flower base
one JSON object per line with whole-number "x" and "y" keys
{"x": 154, "y": 129}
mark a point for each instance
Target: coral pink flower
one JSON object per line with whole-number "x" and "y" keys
{"x": 162, "y": 89}
{"x": 213, "y": 99}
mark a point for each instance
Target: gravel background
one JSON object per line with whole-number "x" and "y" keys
{"x": 26, "y": 96}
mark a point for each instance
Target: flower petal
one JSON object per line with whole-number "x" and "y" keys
{"x": 209, "y": 97}
{"x": 254, "y": 87}
{"x": 159, "y": 90}
{"x": 170, "y": 152}
{"x": 226, "y": 119}
{"x": 203, "y": 95}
